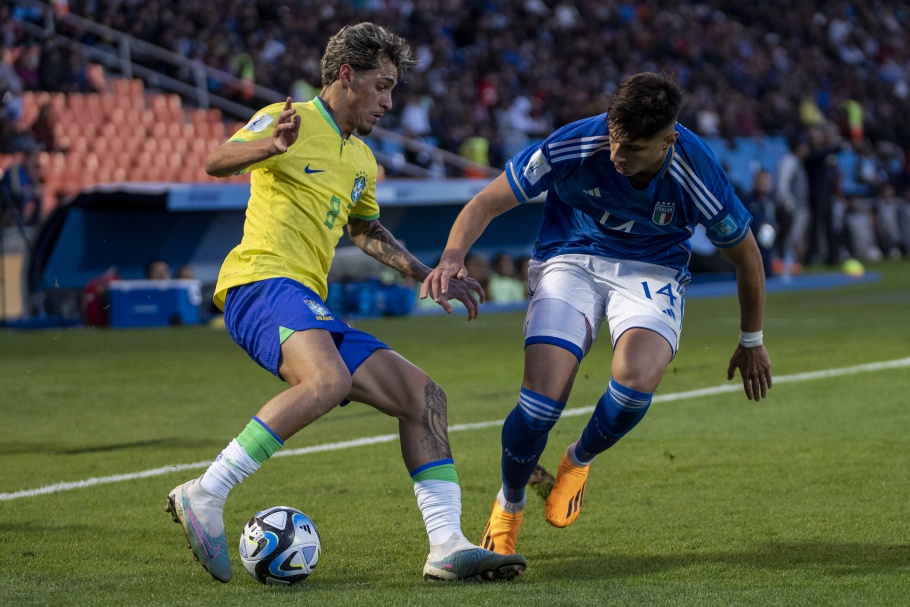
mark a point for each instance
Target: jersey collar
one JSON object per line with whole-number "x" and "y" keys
{"x": 667, "y": 162}
{"x": 320, "y": 105}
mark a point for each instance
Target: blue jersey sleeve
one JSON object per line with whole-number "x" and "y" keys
{"x": 529, "y": 172}
{"x": 720, "y": 210}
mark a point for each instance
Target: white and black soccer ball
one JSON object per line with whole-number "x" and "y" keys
{"x": 280, "y": 545}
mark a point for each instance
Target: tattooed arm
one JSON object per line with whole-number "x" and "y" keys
{"x": 377, "y": 242}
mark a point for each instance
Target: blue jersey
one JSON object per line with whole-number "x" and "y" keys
{"x": 592, "y": 209}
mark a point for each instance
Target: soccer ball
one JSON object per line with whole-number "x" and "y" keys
{"x": 280, "y": 545}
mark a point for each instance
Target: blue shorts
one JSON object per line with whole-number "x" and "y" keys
{"x": 259, "y": 316}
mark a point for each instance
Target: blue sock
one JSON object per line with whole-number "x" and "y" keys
{"x": 618, "y": 411}
{"x": 524, "y": 437}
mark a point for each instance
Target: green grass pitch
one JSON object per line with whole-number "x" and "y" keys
{"x": 802, "y": 499}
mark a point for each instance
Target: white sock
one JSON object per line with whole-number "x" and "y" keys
{"x": 511, "y": 507}
{"x": 440, "y": 505}
{"x": 230, "y": 468}
{"x": 570, "y": 453}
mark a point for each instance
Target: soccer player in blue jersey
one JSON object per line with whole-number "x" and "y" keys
{"x": 310, "y": 176}
{"x": 623, "y": 192}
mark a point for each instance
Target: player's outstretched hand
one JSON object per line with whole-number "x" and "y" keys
{"x": 754, "y": 365}
{"x": 449, "y": 280}
{"x": 286, "y": 129}
{"x": 466, "y": 290}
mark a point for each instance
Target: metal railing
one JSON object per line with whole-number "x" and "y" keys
{"x": 128, "y": 54}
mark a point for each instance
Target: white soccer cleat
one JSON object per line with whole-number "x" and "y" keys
{"x": 462, "y": 560}
{"x": 201, "y": 516}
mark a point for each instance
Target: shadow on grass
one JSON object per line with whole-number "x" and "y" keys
{"x": 837, "y": 558}
{"x": 57, "y": 449}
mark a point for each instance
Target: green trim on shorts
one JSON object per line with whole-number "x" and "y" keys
{"x": 284, "y": 333}
{"x": 445, "y": 472}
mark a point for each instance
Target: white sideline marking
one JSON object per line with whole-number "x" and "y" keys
{"x": 733, "y": 386}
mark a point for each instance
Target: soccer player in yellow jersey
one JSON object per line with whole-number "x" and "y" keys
{"x": 310, "y": 176}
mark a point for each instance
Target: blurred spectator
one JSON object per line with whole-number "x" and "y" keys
{"x": 14, "y": 137}
{"x": 414, "y": 123}
{"x": 859, "y": 230}
{"x": 11, "y": 86}
{"x": 96, "y": 300}
{"x": 185, "y": 272}
{"x": 792, "y": 196}
{"x": 903, "y": 213}
{"x": 522, "y": 264}
{"x": 415, "y": 114}
{"x": 760, "y": 203}
{"x": 853, "y": 117}
{"x": 26, "y": 65}
{"x": 478, "y": 267}
{"x": 157, "y": 269}
{"x": 20, "y": 191}
{"x": 822, "y": 172}
{"x": 504, "y": 284}
{"x": 54, "y": 72}
{"x": 43, "y": 128}
{"x": 871, "y": 173}
{"x": 888, "y": 208}
{"x": 522, "y": 122}
{"x": 477, "y": 150}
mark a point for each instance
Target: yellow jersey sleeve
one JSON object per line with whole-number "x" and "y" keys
{"x": 261, "y": 126}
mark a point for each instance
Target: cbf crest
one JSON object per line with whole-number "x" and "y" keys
{"x": 359, "y": 184}
{"x": 663, "y": 213}
{"x": 319, "y": 310}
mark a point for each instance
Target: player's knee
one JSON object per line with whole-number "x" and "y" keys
{"x": 639, "y": 383}
{"x": 639, "y": 378}
{"x": 427, "y": 405}
{"x": 330, "y": 387}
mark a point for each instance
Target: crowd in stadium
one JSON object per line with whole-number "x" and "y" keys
{"x": 494, "y": 75}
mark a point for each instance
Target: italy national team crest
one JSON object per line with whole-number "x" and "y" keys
{"x": 663, "y": 213}
{"x": 359, "y": 184}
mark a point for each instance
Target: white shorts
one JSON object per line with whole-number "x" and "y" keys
{"x": 628, "y": 294}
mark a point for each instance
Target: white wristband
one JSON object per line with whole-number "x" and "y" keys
{"x": 750, "y": 340}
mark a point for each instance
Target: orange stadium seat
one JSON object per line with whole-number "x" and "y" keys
{"x": 93, "y": 105}
{"x": 181, "y": 146}
{"x": 110, "y": 130}
{"x": 109, "y": 103}
{"x": 158, "y": 130}
{"x": 101, "y": 147}
{"x": 146, "y": 118}
{"x": 116, "y": 117}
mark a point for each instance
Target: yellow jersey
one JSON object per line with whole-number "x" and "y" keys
{"x": 300, "y": 201}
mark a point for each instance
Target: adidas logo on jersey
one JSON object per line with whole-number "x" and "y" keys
{"x": 595, "y": 192}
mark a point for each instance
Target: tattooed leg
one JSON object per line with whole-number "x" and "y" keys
{"x": 390, "y": 383}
